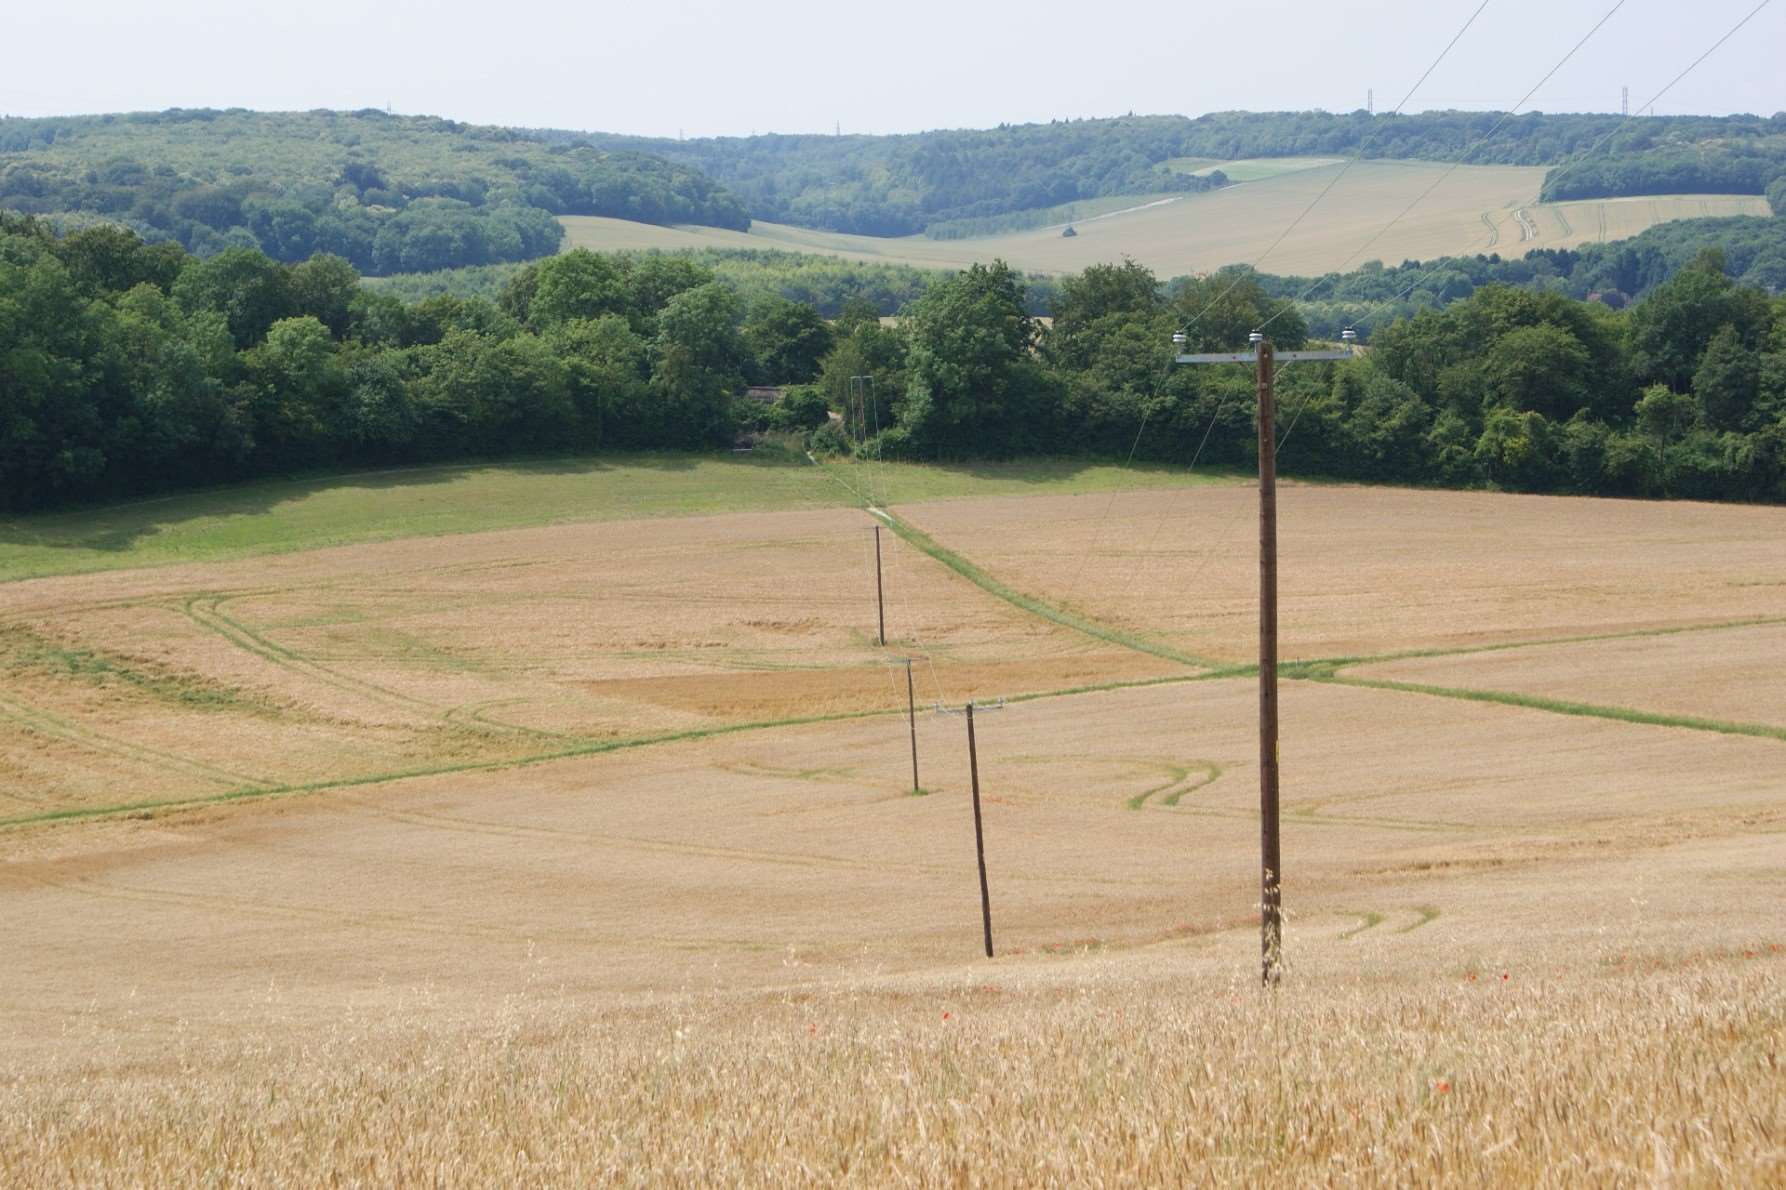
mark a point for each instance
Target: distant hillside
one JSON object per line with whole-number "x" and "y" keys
{"x": 899, "y": 185}
{"x": 389, "y": 193}
{"x": 1449, "y": 212}
{"x": 413, "y": 194}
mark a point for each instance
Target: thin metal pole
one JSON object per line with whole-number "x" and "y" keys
{"x": 1271, "y": 937}
{"x": 911, "y": 720}
{"x": 973, "y": 764}
{"x": 880, "y": 598}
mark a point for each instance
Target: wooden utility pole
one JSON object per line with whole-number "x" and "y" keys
{"x": 973, "y": 764}
{"x": 880, "y": 597}
{"x": 1263, "y": 358}
{"x": 1271, "y": 923}
{"x": 911, "y": 722}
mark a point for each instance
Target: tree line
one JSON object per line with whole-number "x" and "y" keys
{"x": 129, "y": 367}
{"x": 1614, "y": 273}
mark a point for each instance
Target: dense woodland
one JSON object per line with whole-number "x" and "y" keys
{"x": 130, "y": 367}
{"x": 900, "y": 185}
{"x": 389, "y": 194}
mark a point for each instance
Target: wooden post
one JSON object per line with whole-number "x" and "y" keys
{"x": 1271, "y": 936}
{"x": 880, "y": 598}
{"x": 911, "y": 720}
{"x": 973, "y": 764}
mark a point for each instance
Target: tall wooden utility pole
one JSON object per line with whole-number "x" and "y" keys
{"x": 1263, "y": 358}
{"x": 973, "y": 764}
{"x": 911, "y": 722}
{"x": 880, "y": 597}
{"x": 1271, "y": 917}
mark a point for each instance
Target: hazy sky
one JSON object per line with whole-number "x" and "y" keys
{"x": 713, "y": 68}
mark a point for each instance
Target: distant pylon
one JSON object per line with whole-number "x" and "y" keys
{"x": 1624, "y": 101}
{"x": 1370, "y": 101}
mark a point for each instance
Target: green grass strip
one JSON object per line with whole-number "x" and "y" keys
{"x": 1557, "y": 706}
{"x": 1029, "y": 603}
{"x": 1338, "y": 663}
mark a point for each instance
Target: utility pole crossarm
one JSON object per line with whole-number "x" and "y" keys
{"x": 1247, "y": 357}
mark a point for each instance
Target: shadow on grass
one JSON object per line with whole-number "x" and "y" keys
{"x": 1053, "y": 470}
{"x": 116, "y": 528}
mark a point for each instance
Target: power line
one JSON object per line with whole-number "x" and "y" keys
{"x": 1185, "y": 328}
{"x": 1334, "y": 181}
{"x": 1456, "y": 165}
{"x": 1591, "y": 149}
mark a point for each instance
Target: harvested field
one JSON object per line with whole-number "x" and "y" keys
{"x": 1377, "y": 570}
{"x": 588, "y": 851}
{"x": 356, "y": 663}
{"x": 1470, "y": 209}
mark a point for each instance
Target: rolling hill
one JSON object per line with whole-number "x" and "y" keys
{"x": 1469, "y": 209}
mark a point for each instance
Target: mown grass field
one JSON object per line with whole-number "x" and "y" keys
{"x": 1472, "y": 209}
{"x": 584, "y": 847}
{"x": 280, "y": 516}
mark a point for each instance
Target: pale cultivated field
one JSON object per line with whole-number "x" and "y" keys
{"x": 1524, "y": 947}
{"x": 365, "y": 661}
{"x": 1377, "y": 570}
{"x": 1596, "y": 220}
{"x": 1469, "y": 209}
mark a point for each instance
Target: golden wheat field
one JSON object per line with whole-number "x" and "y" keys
{"x": 589, "y": 851}
{"x": 1448, "y": 210}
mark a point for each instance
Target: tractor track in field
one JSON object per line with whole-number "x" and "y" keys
{"x": 647, "y": 845}
{"x": 206, "y": 610}
{"x": 50, "y": 725}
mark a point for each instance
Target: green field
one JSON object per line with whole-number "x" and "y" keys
{"x": 280, "y": 516}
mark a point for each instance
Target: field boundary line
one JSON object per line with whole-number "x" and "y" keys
{"x": 1558, "y": 706}
{"x": 1029, "y": 603}
{"x": 1348, "y": 662}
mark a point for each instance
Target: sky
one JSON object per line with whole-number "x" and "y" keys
{"x": 709, "y": 68}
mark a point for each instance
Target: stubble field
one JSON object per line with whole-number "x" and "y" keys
{"x": 1450, "y": 210}
{"x": 655, "y": 898}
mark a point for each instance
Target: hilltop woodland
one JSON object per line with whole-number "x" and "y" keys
{"x": 388, "y": 194}
{"x": 128, "y": 367}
